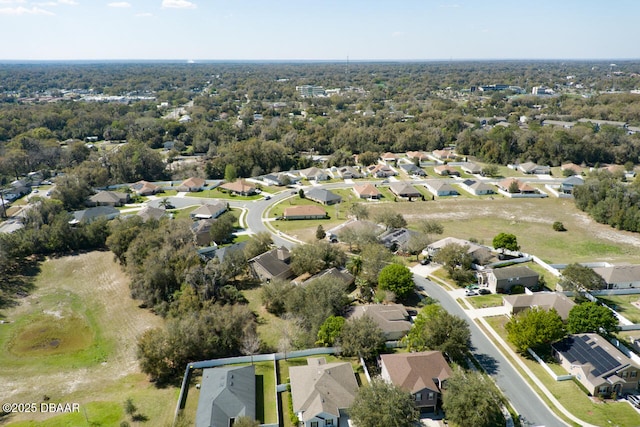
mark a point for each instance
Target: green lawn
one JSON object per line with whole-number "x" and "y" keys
{"x": 623, "y": 304}
{"x": 484, "y": 301}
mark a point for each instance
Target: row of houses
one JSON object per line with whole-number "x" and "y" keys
{"x": 321, "y": 392}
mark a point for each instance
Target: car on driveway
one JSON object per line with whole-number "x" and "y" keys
{"x": 484, "y": 291}
{"x": 470, "y": 293}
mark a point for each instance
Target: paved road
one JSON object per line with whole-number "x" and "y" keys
{"x": 526, "y": 402}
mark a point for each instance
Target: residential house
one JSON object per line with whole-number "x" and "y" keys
{"x": 304, "y": 212}
{"x": 620, "y": 276}
{"x": 477, "y": 188}
{"x": 323, "y": 196}
{"x": 226, "y": 394}
{"x": 273, "y": 264}
{"x": 272, "y": 179}
{"x": 397, "y": 239}
{"x": 314, "y": 174}
{"x": 149, "y": 212}
{"x": 445, "y": 155}
{"x": 597, "y": 364}
{"x": 531, "y": 168}
{"x": 545, "y": 300}
{"x": 201, "y": 230}
{"x": 392, "y": 319}
{"x": 339, "y": 274}
{"x": 209, "y": 211}
{"x": 480, "y": 254}
{"x": 471, "y": 168}
{"x": 89, "y": 215}
{"x": 192, "y": 185}
{"x": 388, "y": 158}
{"x": 381, "y": 171}
{"x": 411, "y": 169}
{"x": 404, "y": 190}
{"x": 423, "y": 374}
{"x": 568, "y": 185}
{"x": 502, "y": 280}
{"x": 144, "y": 188}
{"x": 440, "y": 188}
{"x": 239, "y": 187}
{"x": 348, "y": 172}
{"x": 108, "y": 198}
{"x": 333, "y": 234}
{"x": 367, "y": 191}
{"x": 421, "y": 156}
{"x": 321, "y": 392}
{"x": 577, "y": 170}
{"x": 446, "y": 170}
{"x": 513, "y": 185}
{"x": 558, "y": 123}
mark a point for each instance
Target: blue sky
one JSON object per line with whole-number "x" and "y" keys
{"x": 318, "y": 30}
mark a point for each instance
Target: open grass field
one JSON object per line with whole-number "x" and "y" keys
{"x": 531, "y": 221}
{"x": 72, "y": 340}
{"x": 572, "y": 396}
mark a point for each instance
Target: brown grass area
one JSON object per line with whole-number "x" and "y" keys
{"x": 83, "y": 296}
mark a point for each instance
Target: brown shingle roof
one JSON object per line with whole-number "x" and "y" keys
{"x": 416, "y": 371}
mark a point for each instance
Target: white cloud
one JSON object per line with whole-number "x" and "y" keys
{"x": 68, "y": 2}
{"x": 178, "y": 4}
{"x": 12, "y": 1}
{"x": 120, "y": 4}
{"x": 24, "y": 11}
{"x": 46, "y": 4}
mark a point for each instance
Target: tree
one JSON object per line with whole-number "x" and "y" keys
{"x": 513, "y": 187}
{"x": 374, "y": 257}
{"x": 398, "y": 279}
{"x": 591, "y": 317}
{"x": 230, "y": 173}
{"x": 506, "y": 241}
{"x": 581, "y": 278}
{"x": 315, "y": 257}
{"x": 330, "y": 331}
{"x": 471, "y": 400}
{"x": 391, "y": 219}
{"x": 222, "y": 228}
{"x": 382, "y": 404}
{"x": 245, "y": 422}
{"x": 436, "y": 329}
{"x": 274, "y": 295}
{"x": 359, "y": 210}
{"x": 534, "y": 328}
{"x": 490, "y": 170}
{"x": 430, "y": 227}
{"x": 361, "y": 337}
{"x": 320, "y": 233}
{"x": 259, "y": 243}
{"x": 417, "y": 243}
{"x": 301, "y": 193}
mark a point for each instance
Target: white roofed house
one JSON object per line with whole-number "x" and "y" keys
{"x": 620, "y": 276}
{"x": 314, "y": 174}
{"x": 209, "y": 211}
{"x": 440, "y": 187}
{"x": 477, "y": 188}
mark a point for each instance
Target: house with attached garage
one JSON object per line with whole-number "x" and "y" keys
{"x": 446, "y": 170}
{"x": 108, "y": 198}
{"x": 471, "y": 168}
{"x": 226, "y": 394}
{"x": 440, "y": 188}
{"x": 381, "y": 171}
{"x": 419, "y": 156}
{"x": 322, "y": 392}
{"x": 620, "y": 276}
{"x": 597, "y": 364}
{"x": 367, "y": 191}
{"x": 404, "y": 190}
{"x": 545, "y": 300}
{"x": 477, "y": 188}
{"x": 304, "y": 212}
{"x": 314, "y": 174}
{"x": 348, "y": 172}
{"x": 209, "y": 211}
{"x": 501, "y": 280}
{"x": 479, "y": 253}
{"x": 273, "y": 264}
{"x": 411, "y": 169}
{"x": 323, "y": 196}
{"x": 239, "y": 187}
{"x": 144, "y": 188}
{"x": 392, "y": 319}
{"x": 568, "y": 185}
{"x": 423, "y": 374}
{"x": 531, "y": 168}
{"x": 192, "y": 185}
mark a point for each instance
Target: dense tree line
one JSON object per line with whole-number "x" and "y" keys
{"x": 609, "y": 200}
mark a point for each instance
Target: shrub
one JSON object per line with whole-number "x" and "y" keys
{"x": 558, "y": 226}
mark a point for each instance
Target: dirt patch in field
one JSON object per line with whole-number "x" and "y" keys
{"x": 99, "y": 285}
